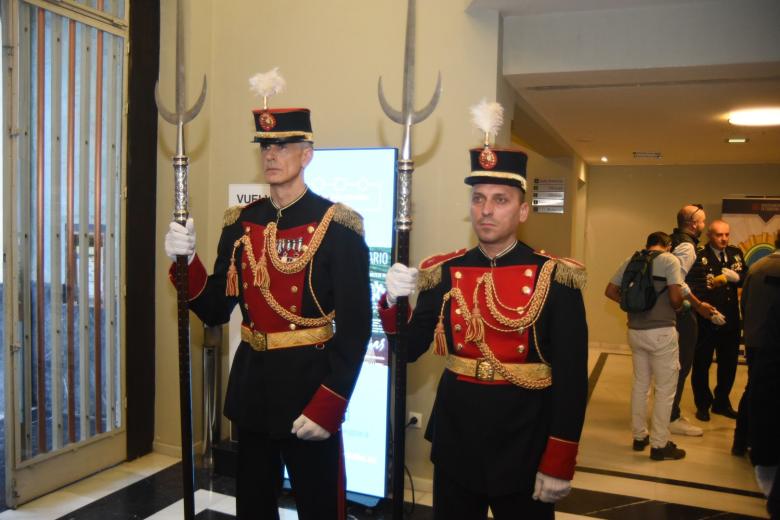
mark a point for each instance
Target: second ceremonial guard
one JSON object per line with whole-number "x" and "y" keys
{"x": 510, "y": 323}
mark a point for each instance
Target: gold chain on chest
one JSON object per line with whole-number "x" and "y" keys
{"x": 299, "y": 263}
{"x": 261, "y": 278}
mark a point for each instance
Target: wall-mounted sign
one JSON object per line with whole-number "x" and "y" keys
{"x": 548, "y": 195}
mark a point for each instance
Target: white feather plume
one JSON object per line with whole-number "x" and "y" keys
{"x": 266, "y": 84}
{"x": 488, "y": 117}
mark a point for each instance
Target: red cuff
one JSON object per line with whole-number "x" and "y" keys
{"x": 559, "y": 458}
{"x": 326, "y": 408}
{"x": 387, "y": 315}
{"x": 197, "y": 277}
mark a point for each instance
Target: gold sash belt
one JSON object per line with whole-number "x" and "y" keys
{"x": 261, "y": 341}
{"x": 482, "y": 370}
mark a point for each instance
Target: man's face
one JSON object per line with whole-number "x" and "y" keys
{"x": 283, "y": 162}
{"x": 496, "y": 211}
{"x": 719, "y": 235}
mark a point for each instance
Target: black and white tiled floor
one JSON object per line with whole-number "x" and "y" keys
{"x": 612, "y": 481}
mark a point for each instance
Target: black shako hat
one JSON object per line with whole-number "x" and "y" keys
{"x": 282, "y": 125}
{"x": 494, "y": 165}
{"x": 498, "y": 166}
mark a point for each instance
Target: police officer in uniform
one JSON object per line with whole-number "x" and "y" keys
{"x": 718, "y": 272}
{"x": 510, "y": 323}
{"x": 297, "y": 266}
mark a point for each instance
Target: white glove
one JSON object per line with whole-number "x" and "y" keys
{"x": 731, "y": 276}
{"x": 180, "y": 240}
{"x": 400, "y": 281}
{"x": 718, "y": 319}
{"x": 765, "y": 476}
{"x": 308, "y": 430}
{"x": 550, "y": 489}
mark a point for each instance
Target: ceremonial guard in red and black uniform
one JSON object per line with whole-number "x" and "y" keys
{"x": 297, "y": 265}
{"x": 510, "y": 322}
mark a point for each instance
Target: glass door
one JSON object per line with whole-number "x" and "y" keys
{"x": 64, "y": 91}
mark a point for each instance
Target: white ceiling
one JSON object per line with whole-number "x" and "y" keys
{"x": 677, "y": 111}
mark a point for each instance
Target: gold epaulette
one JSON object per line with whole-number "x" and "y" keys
{"x": 231, "y": 214}
{"x": 568, "y": 271}
{"x": 430, "y": 269}
{"x": 348, "y": 218}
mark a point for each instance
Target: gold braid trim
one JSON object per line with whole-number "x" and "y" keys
{"x": 529, "y": 314}
{"x": 294, "y": 318}
{"x": 231, "y": 215}
{"x": 269, "y": 240}
{"x": 570, "y": 273}
{"x": 517, "y": 380}
{"x": 300, "y": 263}
{"x": 429, "y": 278}
{"x": 349, "y": 218}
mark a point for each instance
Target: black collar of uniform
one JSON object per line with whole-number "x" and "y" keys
{"x": 500, "y": 254}
{"x": 291, "y": 204}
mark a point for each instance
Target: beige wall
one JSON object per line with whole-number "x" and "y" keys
{"x": 625, "y": 204}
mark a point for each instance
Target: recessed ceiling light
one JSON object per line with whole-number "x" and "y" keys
{"x": 737, "y": 140}
{"x": 604, "y": 158}
{"x": 755, "y": 117}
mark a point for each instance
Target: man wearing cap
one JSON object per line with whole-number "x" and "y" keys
{"x": 297, "y": 266}
{"x": 511, "y": 402}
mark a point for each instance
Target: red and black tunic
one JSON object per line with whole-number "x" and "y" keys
{"x": 493, "y": 436}
{"x": 268, "y": 390}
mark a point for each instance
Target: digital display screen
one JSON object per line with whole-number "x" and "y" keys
{"x": 364, "y": 179}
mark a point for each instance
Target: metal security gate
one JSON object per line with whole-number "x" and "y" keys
{"x": 64, "y": 89}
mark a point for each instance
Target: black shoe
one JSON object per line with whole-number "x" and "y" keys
{"x": 641, "y": 444}
{"x": 702, "y": 414}
{"x": 726, "y": 411}
{"x": 668, "y": 452}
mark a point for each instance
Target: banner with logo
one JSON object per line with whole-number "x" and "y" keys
{"x": 754, "y": 222}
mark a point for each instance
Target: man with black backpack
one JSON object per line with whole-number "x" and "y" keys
{"x": 648, "y": 287}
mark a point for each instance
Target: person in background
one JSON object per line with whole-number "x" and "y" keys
{"x": 722, "y": 267}
{"x": 761, "y": 313}
{"x": 691, "y": 221}
{"x": 653, "y": 340}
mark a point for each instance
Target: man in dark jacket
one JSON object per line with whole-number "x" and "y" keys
{"x": 510, "y": 405}
{"x": 761, "y": 308}
{"x": 296, "y": 264}
{"x": 720, "y": 268}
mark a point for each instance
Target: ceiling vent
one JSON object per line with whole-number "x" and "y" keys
{"x": 647, "y": 155}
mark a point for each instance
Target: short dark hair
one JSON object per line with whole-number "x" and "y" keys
{"x": 658, "y": 238}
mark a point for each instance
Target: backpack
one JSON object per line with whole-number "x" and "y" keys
{"x": 637, "y": 292}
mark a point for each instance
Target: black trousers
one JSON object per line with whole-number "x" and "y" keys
{"x": 316, "y": 471}
{"x": 724, "y": 343}
{"x": 453, "y": 501}
{"x": 743, "y": 411}
{"x": 687, "y": 329}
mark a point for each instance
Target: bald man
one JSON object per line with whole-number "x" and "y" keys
{"x": 722, "y": 268}
{"x": 691, "y": 221}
